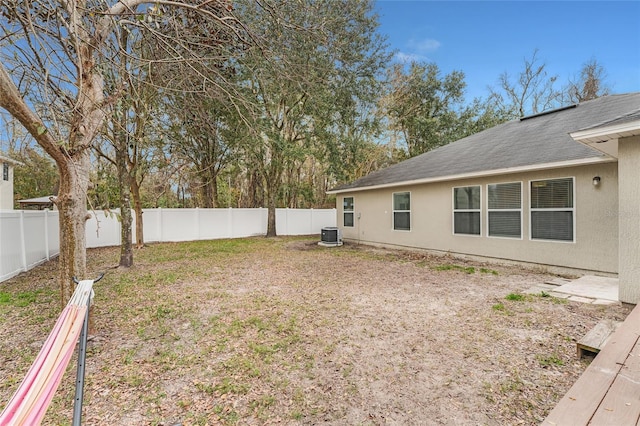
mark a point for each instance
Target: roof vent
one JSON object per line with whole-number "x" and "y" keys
{"x": 551, "y": 111}
{"x": 330, "y": 237}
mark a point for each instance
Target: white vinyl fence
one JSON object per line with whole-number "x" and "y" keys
{"x": 28, "y": 238}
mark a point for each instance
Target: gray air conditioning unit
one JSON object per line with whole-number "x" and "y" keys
{"x": 330, "y": 237}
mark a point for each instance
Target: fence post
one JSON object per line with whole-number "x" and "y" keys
{"x": 263, "y": 220}
{"x": 286, "y": 221}
{"x": 197, "y": 215}
{"x": 22, "y": 241}
{"x": 311, "y": 230}
{"x": 230, "y": 222}
{"x": 160, "y": 239}
{"x": 46, "y": 234}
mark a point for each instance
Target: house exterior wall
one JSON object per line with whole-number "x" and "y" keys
{"x": 6, "y": 188}
{"x": 595, "y": 245}
{"x": 629, "y": 218}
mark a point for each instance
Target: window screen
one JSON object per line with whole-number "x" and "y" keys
{"x": 347, "y": 207}
{"x": 402, "y": 211}
{"x": 552, "y": 211}
{"x": 466, "y": 210}
{"x": 505, "y": 210}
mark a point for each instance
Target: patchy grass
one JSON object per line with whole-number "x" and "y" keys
{"x": 550, "y": 360}
{"x": 451, "y": 267}
{"x": 264, "y": 331}
{"x": 26, "y": 298}
{"x": 499, "y": 307}
{"x": 515, "y": 297}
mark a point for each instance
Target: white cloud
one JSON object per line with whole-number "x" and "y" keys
{"x": 418, "y": 50}
{"x": 409, "y": 57}
{"x": 426, "y": 45}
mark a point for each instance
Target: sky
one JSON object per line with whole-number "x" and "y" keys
{"x": 484, "y": 39}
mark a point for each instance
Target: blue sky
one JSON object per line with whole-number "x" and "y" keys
{"x": 486, "y": 38}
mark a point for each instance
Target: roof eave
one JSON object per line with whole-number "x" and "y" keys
{"x": 484, "y": 173}
{"x": 605, "y": 138}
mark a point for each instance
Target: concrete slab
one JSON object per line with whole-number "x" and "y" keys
{"x": 580, "y": 299}
{"x": 559, "y": 295}
{"x": 593, "y": 287}
{"x": 604, "y": 302}
{"x": 547, "y": 287}
{"x": 557, "y": 281}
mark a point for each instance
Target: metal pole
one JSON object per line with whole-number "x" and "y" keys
{"x": 82, "y": 355}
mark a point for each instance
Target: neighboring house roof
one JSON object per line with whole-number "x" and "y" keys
{"x": 39, "y": 202}
{"x": 4, "y": 159}
{"x": 537, "y": 142}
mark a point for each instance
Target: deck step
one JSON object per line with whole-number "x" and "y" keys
{"x": 596, "y": 338}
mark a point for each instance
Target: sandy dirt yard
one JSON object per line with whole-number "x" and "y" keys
{"x": 280, "y": 331}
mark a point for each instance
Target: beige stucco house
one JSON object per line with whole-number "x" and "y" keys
{"x": 559, "y": 189}
{"x": 6, "y": 183}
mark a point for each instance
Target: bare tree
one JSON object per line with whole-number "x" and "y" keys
{"x": 533, "y": 90}
{"x": 57, "y": 50}
{"x": 590, "y": 84}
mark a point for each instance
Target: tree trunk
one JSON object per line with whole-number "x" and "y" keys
{"x": 271, "y": 215}
{"x": 137, "y": 205}
{"x": 206, "y": 191}
{"x": 126, "y": 220}
{"x": 214, "y": 189}
{"x": 271, "y": 208}
{"x": 71, "y": 203}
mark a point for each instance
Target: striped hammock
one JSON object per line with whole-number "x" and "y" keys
{"x": 30, "y": 402}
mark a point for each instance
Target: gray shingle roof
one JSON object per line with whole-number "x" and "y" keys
{"x": 537, "y": 140}
{"x": 627, "y": 118}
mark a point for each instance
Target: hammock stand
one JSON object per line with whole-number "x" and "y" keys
{"x": 29, "y": 403}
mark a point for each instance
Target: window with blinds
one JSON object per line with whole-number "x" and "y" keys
{"x": 552, "y": 209}
{"x": 466, "y": 210}
{"x": 505, "y": 210}
{"x": 347, "y": 209}
{"x": 5, "y": 171}
{"x": 402, "y": 211}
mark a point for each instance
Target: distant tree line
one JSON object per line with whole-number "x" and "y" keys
{"x": 226, "y": 104}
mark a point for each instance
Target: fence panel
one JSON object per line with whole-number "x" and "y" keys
{"x": 152, "y": 225}
{"x": 29, "y": 237}
{"x": 35, "y": 247}
{"x": 103, "y": 229}
{"x": 323, "y": 218}
{"x": 11, "y": 249}
{"x": 53, "y": 232}
{"x": 179, "y": 224}
{"x": 213, "y": 224}
{"x": 303, "y": 221}
{"x": 247, "y": 222}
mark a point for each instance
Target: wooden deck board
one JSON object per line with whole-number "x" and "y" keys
{"x": 621, "y": 405}
{"x": 599, "y": 382}
{"x": 597, "y": 337}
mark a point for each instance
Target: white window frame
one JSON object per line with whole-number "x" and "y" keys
{"x": 521, "y": 210}
{"x": 454, "y": 211}
{"x": 394, "y": 211}
{"x": 352, "y": 212}
{"x": 571, "y": 209}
